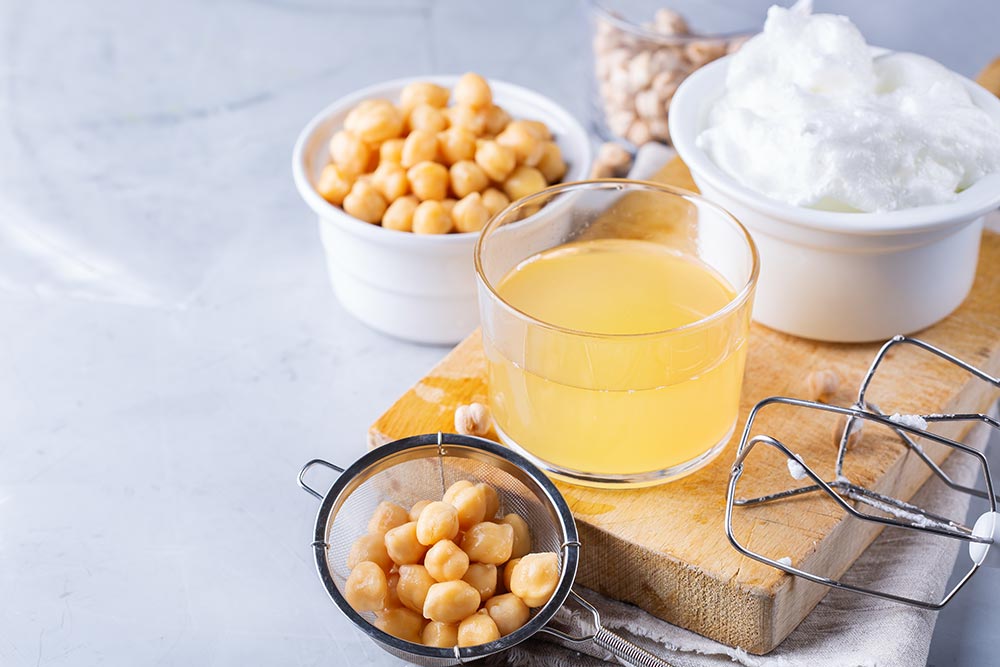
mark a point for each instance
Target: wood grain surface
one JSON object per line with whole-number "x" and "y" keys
{"x": 665, "y": 549}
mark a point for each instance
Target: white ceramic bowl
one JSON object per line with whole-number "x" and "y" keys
{"x": 415, "y": 287}
{"x": 844, "y": 277}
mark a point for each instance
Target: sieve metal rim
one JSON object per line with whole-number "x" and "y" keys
{"x": 460, "y": 446}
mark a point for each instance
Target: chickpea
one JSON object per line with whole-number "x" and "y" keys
{"x": 496, "y": 120}
{"x": 452, "y": 491}
{"x": 482, "y": 577}
{"x": 431, "y": 217}
{"x": 492, "y": 500}
{"x": 402, "y": 544}
{"x": 391, "y": 151}
{"x": 446, "y": 562}
{"x": 403, "y": 623}
{"x": 488, "y": 542}
{"x": 527, "y": 148}
{"x": 386, "y": 517}
{"x": 467, "y": 177}
{"x": 370, "y": 547}
{"x": 473, "y": 91}
{"x": 441, "y": 635}
{"x": 450, "y": 601}
{"x": 524, "y": 181}
{"x": 423, "y": 92}
{"x": 391, "y": 596}
{"x": 456, "y": 144}
{"x": 496, "y": 160}
{"x": 470, "y": 215}
{"x": 349, "y": 152}
{"x": 426, "y": 117}
{"x": 375, "y": 121}
{"x": 508, "y": 611}
{"x": 551, "y": 165}
{"x": 390, "y": 180}
{"x": 538, "y": 128}
{"x": 522, "y": 536}
{"x": 412, "y": 586}
{"x": 508, "y": 571}
{"x": 334, "y": 183}
{"x": 438, "y": 521}
{"x": 535, "y": 578}
{"x": 418, "y": 507}
{"x": 474, "y": 120}
{"x": 366, "y": 587}
{"x": 419, "y": 146}
{"x": 477, "y": 629}
{"x": 365, "y": 202}
{"x": 428, "y": 180}
{"x": 494, "y": 201}
{"x": 449, "y": 207}
{"x": 470, "y": 504}
{"x": 399, "y": 216}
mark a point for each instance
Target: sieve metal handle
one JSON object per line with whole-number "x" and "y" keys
{"x": 625, "y": 651}
{"x": 302, "y": 473}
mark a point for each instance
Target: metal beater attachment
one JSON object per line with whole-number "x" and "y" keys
{"x": 854, "y": 498}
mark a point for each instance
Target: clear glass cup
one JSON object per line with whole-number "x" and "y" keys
{"x": 616, "y": 406}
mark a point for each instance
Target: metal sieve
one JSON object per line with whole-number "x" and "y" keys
{"x": 422, "y": 467}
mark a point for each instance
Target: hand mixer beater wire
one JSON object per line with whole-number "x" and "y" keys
{"x": 844, "y": 492}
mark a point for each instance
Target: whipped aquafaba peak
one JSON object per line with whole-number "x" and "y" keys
{"x": 811, "y": 118}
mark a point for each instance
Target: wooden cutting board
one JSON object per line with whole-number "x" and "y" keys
{"x": 665, "y": 549}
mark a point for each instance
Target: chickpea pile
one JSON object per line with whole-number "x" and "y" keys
{"x": 425, "y": 167}
{"x": 436, "y": 574}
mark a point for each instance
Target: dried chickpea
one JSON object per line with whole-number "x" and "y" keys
{"x": 334, "y": 183}
{"x": 526, "y": 146}
{"x": 391, "y": 596}
{"x": 508, "y": 611}
{"x": 467, "y": 177}
{"x": 535, "y": 577}
{"x": 426, "y": 117}
{"x": 446, "y": 562}
{"x": 522, "y": 536}
{"x": 450, "y": 601}
{"x": 390, "y": 180}
{"x": 419, "y": 146}
{"x": 822, "y": 384}
{"x": 374, "y": 121}
{"x": 470, "y": 505}
{"x": 365, "y": 202}
{"x": 431, "y": 217}
{"x": 386, "y": 517}
{"x": 552, "y": 165}
{"x": 438, "y": 521}
{"x": 494, "y": 201}
{"x": 412, "y": 586}
{"x": 488, "y": 542}
{"x": 349, "y": 152}
{"x": 477, "y": 629}
{"x": 366, "y": 587}
{"x": 417, "y": 508}
{"x": 452, "y": 491}
{"x": 456, "y": 144}
{"x": 370, "y": 547}
{"x": 428, "y": 180}
{"x": 441, "y": 635}
{"x": 472, "y": 90}
{"x": 391, "y": 151}
{"x": 423, "y": 92}
{"x": 482, "y": 577}
{"x": 469, "y": 214}
{"x": 496, "y": 160}
{"x": 403, "y": 623}
{"x": 402, "y": 545}
{"x": 524, "y": 181}
{"x": 496, "y": 120}
{"x": 399, "y": 216}
{"x": 474, "y": 120}
{"x": 508, "y": 571}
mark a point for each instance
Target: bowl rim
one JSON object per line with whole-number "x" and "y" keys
{"x": 687, "y": 111}
{"x": 329, "y": 213}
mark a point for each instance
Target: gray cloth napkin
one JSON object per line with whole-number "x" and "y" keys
{"x": 845, "y": 630}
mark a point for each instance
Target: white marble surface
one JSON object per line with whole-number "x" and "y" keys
{"x": 171, "y": 351}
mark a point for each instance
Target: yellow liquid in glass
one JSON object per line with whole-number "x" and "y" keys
{"x": 623, "y": 405}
